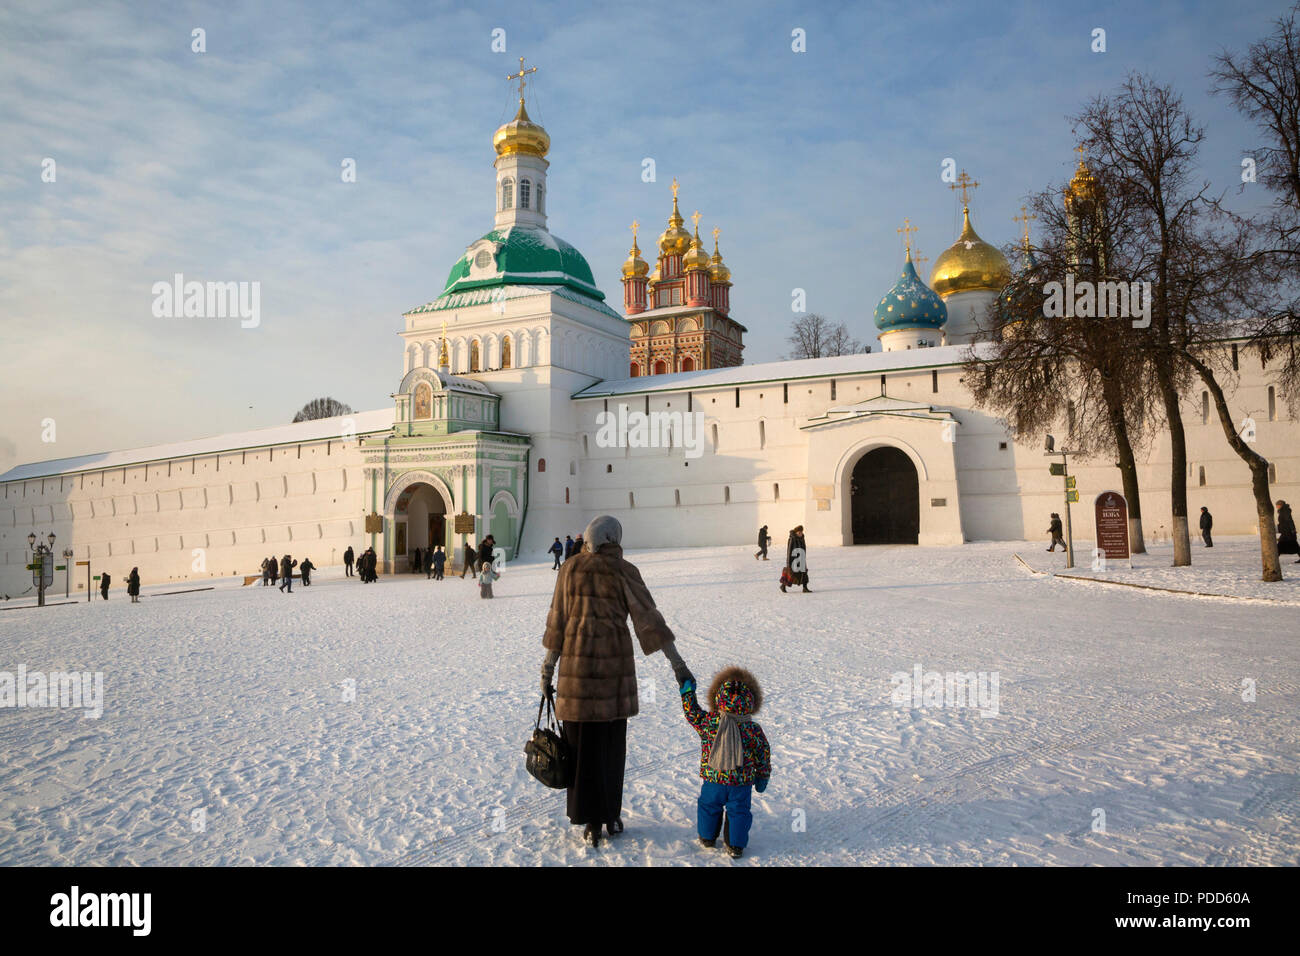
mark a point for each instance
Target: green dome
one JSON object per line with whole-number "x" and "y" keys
{"x": 910, "y": 304}
{"x": 523, "y": 256}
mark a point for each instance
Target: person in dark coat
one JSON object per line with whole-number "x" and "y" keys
{"x": 266, "y": 573}
{"x": 372, "y": 566}
{"x": 275, "y": 569}
{"x": 556, "y": 549}
{"x": 763, "y": 540}
{"x": 439, "y": 561}
{"x": 348, "y": 557}
{"x": 133, "y": 585}
{"x": 287, "y": 564}
{"x": 587, "y": 635}
{"x": 417, "y": 561}
{"x": 577, "y": 545}
{"x": 1207, "y": 522}
{"x": 468, "y": 557}
{"x": 796, "y": 543}
{"x": 485, "y": 552}
{"x": 1286, "y": 536}
{"x": 306, "y": 568}
{"x": 428, "y": 563}
{"x": 568, "y": 547}
{"x": 1054, "y": 529}
{"x": 104, "y": 580}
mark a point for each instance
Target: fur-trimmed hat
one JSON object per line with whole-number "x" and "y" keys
{"x": 744, "y": 685}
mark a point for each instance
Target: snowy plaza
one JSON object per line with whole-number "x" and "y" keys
{"x": 384, "y": 724}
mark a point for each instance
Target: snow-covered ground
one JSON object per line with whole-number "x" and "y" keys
{"x": 1116, "y": 700}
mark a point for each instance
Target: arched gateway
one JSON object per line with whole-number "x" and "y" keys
{"x": 419, "y": 512}
{"x": 885, "y": 498}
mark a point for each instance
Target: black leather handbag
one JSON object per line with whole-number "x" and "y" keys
{"x": 548, "y": 755}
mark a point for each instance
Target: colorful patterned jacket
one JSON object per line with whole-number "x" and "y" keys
{"x": 737, "y": 699}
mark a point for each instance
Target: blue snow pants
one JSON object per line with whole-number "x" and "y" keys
{"x": 714, "y": 797}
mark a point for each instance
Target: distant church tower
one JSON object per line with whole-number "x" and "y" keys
{"x": 1085, "y": 218}
{"x": 680, "y": 315}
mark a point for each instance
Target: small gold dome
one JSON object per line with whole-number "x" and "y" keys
{"x": 635, "y": 265}
{"x": 521, "y": 135}
{"x": 697, "y": 260}
{"x": 968, "y": 264}
{"x": 652, "y": 281}
{"x": 675, "y": 239}
{"x": 717, "y": 271}
{"x": 1083, "y": 186}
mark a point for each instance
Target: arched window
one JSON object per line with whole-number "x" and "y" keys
{"x": 726, "y": 495}
{"x": 541, "y": 207}
{"x": 661, "y": 367}
{"x": 1201, "y": 482}
{"x": 715, "y": 438}
{"x": 677, "y": 497}
{"x": 1272, "y": 404}
{"x": 541, "y": 464}
{"x": 525, "y": 192}
{"x": 507, "y": 193}
{"x": 505, "y": 352}
{"x": 762, "y": 433}
{"x": 1205, "y": 409}
{"x": 635, "y": 370}
{"x": 573, "y": 466}
{"x": 688, "y": 364}
{"x": 473, "y": 357}
{"x": 776, "y": 492}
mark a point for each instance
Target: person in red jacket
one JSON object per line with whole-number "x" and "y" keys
{"x": 735, "y": 758}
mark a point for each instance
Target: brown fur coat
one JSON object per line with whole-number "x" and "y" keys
{"x": 594, "y": 595}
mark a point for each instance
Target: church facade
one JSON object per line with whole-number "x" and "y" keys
{"x": 501, "y": 425}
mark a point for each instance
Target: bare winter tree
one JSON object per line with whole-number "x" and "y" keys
{"x": 322, "y": 408}
{"x": 813, "y": 336}
{"x": 1040, "y": 371}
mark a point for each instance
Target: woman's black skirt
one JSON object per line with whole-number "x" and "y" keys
{"x": 1286, "y": 544}
{"x": 599, "y": 751}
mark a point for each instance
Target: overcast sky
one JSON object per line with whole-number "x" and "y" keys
{"x": 225, "y": 166}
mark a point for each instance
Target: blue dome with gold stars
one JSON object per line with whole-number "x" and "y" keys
{"x": 910, "y": 304}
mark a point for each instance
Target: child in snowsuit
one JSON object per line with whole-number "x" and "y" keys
{"x": 735, "y": 758}
{"x": 485, "y": 578}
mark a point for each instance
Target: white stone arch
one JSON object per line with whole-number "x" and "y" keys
{"x": 542, "y": 342}
{"x": 459, "y": 356}
{"x": 688, "y": 325}
{"x": 849, "y": 460}
{"x": 415, "y": 478}
{"x": 491, "y": 357}
{"x": 512, "y": 506}
{"x": 429, "y": 354}
{"x": 469, "y": 353}
{"x": 411, "y": 358}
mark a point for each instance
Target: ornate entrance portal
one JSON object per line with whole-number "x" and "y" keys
{"x": 885, "y": 498}
{"x": 420, "y": 516}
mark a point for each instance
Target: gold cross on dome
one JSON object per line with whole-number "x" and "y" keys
{"x": 919, "y": 259}
{"x": 716, "y": 232}
{"x": 906, "y": 232}
{"x": 635, "y": 226}
{"x": 520, "y": 77}
{"x": 1080, "y": 150}
{"x": 695, "y": 218}
{"x": 675, "y": 187}
{"x": 965, "y": 184}
{"x": 1025, "y": 219}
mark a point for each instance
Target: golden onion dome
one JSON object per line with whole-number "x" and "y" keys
{"x": 697, "y": 260}
{"x": 675, "y": 239}
{"x": 521, "y": 135}
{"x": 968, "y": 264}
{"x": 717, "y": 271}
{"x": 653, "y": 280}
{"x": 635, "y": 267}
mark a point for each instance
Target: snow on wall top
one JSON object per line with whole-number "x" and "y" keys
{"x": 862, "y": 363}
{"x": 362, "y": 423}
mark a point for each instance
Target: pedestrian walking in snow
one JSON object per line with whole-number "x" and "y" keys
{"x": 287, "y": 564}
{"x": 1207, "y": 522}
{"x": 439, "y": 561}
{"x": 796, "y": 560}
{"x": 568, "y": 547}
{"x": 485, "y": 578}
{"x": 104, "y": 579}
{"x": 1286, "y": 536}
{"x": 428, "y": 563}
{"x": 468, "y": 557}
{"x": 133, "y": 585}
{"x": 485, "y": 551}
{"x": 587, "y": 635}
{"x": 577, "y": 545}
{"x": 305, "y": 569}
{"x": 557, "y": 550}
{"x": 735, "y": 758}
{"x": 763, "y": 540}
{"x": 1054, "y": 529}
{"x": 348, "y": 557}
{"x": 417, "y": 561}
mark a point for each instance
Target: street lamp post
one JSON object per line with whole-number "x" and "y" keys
{"x": 42, "y": 565}
{"x": 67, "y": 573}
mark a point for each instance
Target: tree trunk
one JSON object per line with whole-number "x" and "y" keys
{"x": 1272, "y": 566}
{"x": 1178, "y": 470}
{"x": 1127, "y": 464}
